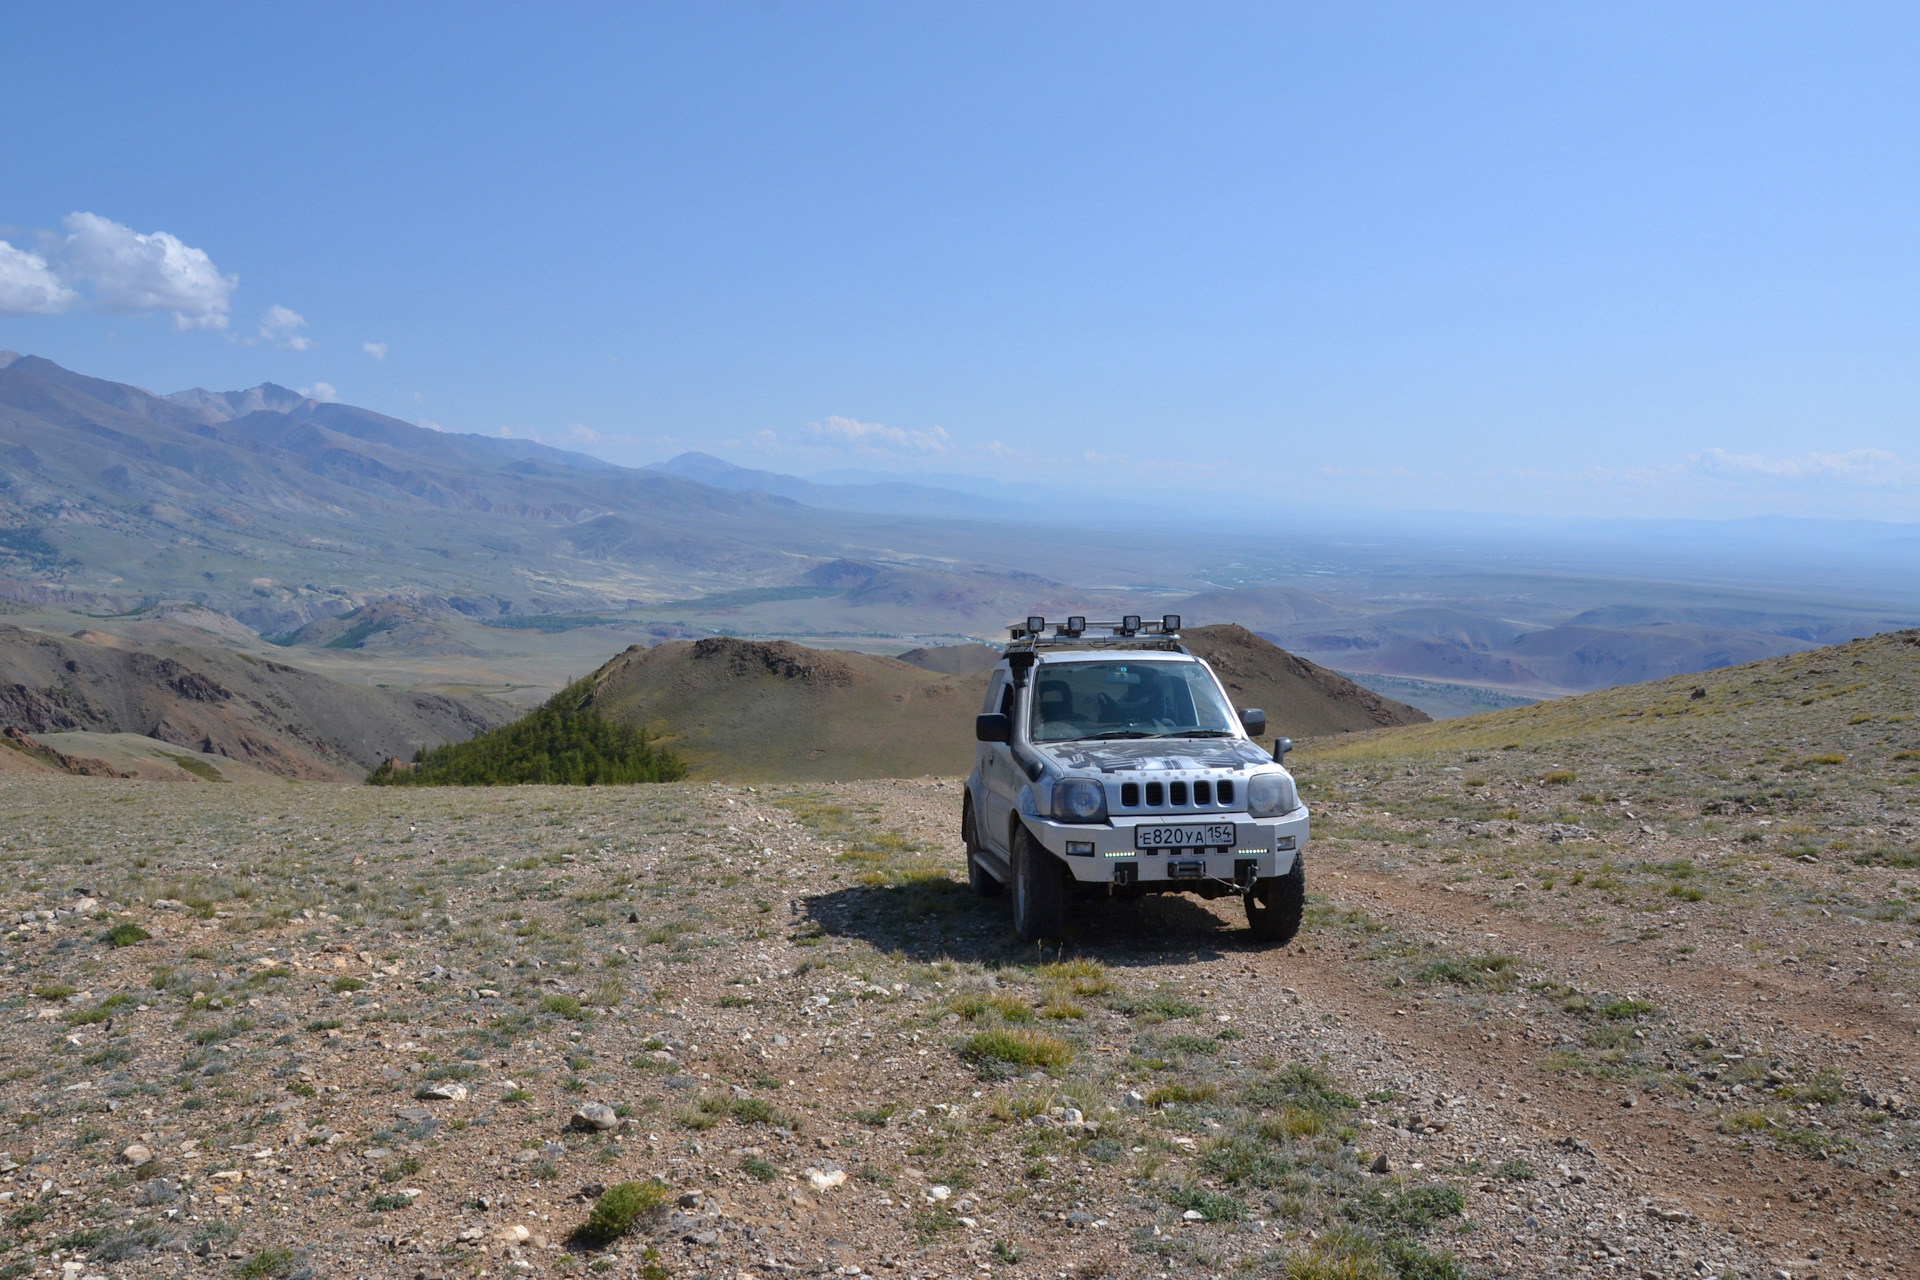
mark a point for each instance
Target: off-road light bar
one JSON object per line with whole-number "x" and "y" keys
{"x": 1075, "y": 627}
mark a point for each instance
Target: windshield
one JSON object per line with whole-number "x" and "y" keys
{"x": 1128, "y": 700}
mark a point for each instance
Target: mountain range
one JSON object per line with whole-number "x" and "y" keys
{"x": 263, "y": 513}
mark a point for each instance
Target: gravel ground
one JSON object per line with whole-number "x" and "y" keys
{"x": 832, "y": 1059}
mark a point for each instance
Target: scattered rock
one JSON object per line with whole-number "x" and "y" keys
{"x": 447, "y": 1091}
{"x": 136, "y": 1153}
{"x": 594, "y": 1117}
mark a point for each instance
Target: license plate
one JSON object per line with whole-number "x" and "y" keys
{"x": 1203, "y": 835}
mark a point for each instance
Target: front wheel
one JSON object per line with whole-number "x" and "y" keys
{"x": 1039, "y": 890}
{"x": 979, "y": 879}
{"x": 1275, "y": 905}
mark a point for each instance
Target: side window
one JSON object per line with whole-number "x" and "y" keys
{"x": 1006, "y": 701}
{"x": 994, "y": 698}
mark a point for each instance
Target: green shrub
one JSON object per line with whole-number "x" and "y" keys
{"x": 566, "y": 742}
{"x": 1407, "y": 1212}
{"x": 125, "y": 934}
{"x": 347, "y": 984}
{"x": 1016, "y": 1048}
{"x": 267, "y": 1262}
{"x": 618, "y": 1210}
{"x": 1628, "y": 1010}
{"x": 1299, "y": 1085}
{"x": 1210, "y": 1204}
{"x": 568, "y": 1007}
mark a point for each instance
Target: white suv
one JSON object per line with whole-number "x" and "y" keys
{"x": 1115, "y": 763}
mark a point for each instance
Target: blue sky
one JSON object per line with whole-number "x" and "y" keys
{"x": 1645, "y": 260}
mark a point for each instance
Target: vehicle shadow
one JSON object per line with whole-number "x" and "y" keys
{"x": 942, "y": 919}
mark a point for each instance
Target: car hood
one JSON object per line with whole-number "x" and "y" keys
{"x": 1126, "y": 756}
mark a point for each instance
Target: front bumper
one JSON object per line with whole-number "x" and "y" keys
{"x": 1265, "y": 847}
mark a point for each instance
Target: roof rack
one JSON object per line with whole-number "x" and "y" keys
{"x": 1130, "y": 632}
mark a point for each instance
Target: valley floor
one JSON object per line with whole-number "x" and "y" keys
{"x": 358, "y": 1033}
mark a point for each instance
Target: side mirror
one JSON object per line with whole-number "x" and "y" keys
{"x": 992, "y": 727}
{"x": 1280, "y": 748}
{"x": 1253, "y": 720}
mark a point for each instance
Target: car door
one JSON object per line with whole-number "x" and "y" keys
{"x": 1001, "y": 778}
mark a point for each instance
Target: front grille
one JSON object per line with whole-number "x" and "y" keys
{"x": 1201, "y": 794}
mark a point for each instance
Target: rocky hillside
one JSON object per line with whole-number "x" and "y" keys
{"x": 272, "y": 717}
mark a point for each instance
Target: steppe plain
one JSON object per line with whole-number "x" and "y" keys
{"x": 1618, "y": 985}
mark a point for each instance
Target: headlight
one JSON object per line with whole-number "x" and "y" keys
{"x": 1271, "y": 794}
{"x": 1079, "y": 800}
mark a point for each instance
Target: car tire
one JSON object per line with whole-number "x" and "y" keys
{"x": 1039, "y": 889}
{"x": 979, "y": 879}
{"x": 1275, "y": 905}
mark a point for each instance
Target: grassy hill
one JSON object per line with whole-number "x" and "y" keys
{"x": 1815, "y": 754}
{"x": 780, "y": 711}
{"x": 764, "y": 711}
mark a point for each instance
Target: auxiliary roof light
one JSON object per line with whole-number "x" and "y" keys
{"x": 1076, "y": 624}
{"x": 1130, "y": 625}
{"x": 1170, "y": 623}
{"x": 1036, "y": 625}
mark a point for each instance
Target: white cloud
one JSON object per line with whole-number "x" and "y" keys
{"x": 582, "y": 433}
{"x": 877, "y": 437}
{"x": 29, "y": 287}
{"x": 323, "y": 391}
{"x": 129, "y": 272}
{"x": 281, "y": 327}
{"x": 431, "y": 426}
{"x": 1874, "y": 467}
{"x": 378, "y": 350}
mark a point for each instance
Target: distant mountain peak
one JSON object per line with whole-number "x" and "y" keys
{"x": 224, "y": 406}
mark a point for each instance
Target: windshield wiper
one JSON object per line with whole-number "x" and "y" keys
{"x": 1117, "y": 733}
{"x": 1198, "y": 733}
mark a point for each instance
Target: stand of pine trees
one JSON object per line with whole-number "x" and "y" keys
{"x": 565, "y": 742}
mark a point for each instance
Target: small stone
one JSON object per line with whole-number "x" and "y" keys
{"x": 1134, "y": 1099}
{"x": 1630, "y": 1101}
{"x": 446, "y": 1092}
{"x": 691, "y": 1200}
{"x": 594, "y": 1116}
{"x": 1380, "y": 1164}
{"x": 1193, "y": 1215}
{"x": 513, "y": 1234}
{"x": 137, "y": 1153}
{"x": 938, "y": 1192}
{"x": 413, "y": 1115}
{"x": 825, "y": 1179}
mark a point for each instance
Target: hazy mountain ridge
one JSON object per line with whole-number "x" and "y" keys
{"x": 276, "y": 718}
